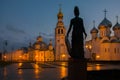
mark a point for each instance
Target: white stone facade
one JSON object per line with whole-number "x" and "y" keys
{"x": 102, "y": 45}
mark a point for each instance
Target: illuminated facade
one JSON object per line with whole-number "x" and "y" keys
{"x": 103, "y": 45}
{"x": 16, "y": 55}
{"x": 40, "y": 51}
{"x": 60, "y": 46}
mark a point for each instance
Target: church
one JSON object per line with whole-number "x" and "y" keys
{"x": 40, "y": 51}
{"x": 103, "y": 45}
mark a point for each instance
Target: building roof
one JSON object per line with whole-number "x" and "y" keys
{"x": 105, "y": 24}
{"x": 94, "y": 30}
{"x": 116, "y": 26}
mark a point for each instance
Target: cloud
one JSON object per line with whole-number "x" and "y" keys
{"x": 50, "y": 36}
{"x": 14, "y": 29}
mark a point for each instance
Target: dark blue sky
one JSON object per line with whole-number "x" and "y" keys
{"x": 21, "y": 21}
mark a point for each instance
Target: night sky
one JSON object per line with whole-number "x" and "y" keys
{"x": 21, "y": 21}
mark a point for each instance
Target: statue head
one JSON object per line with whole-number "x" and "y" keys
{"x": 76, "y": 11}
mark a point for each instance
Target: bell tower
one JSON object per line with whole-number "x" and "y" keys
{"x": 60, "y": 32}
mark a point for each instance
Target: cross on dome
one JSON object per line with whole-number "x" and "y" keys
{"x": 105, "y": 11}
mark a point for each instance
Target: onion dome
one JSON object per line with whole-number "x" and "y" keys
{"x": 105, "y": 24}
{"x": 40, "y": 45}
{"x": 94, "y": 30}
{"x": 60, "y": 14}
{"x": 117, "y": 25}
{"x": 39, "y": 38}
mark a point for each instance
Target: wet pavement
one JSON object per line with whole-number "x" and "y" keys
{"x": 44, "y": 71}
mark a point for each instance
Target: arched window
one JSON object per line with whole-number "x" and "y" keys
{"x": 61, "y": 31}
{"x": 58, "y": 31}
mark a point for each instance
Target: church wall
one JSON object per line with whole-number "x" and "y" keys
{"x": 109, "y": 51}
{"x": 105, "y": 51}
{"x": 115, "y": 53}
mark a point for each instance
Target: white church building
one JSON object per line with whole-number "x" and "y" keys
{"x": 103, "y": 45}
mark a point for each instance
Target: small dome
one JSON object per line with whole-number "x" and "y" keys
{"x": 60, "y": 14}
{"x": 94, "y": 30}
{"x": 105, "y": 23}
{"x": 116, "y": 26}
{"x": 40, "y": 45}
{"x": 39, "y": 38}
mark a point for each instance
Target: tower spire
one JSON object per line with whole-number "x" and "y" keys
{"x": 60, "y": 14}
{"x": 60, "y": 7}
{"x": 105, "y": 11}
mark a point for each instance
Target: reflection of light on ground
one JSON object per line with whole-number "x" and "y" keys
{"x": 20, "y": 64}
{"x": 98, "y": 67}
{"x": 20, "y": 71}
{"x": 63, "y": 64}
{"x": 5, "y": 71}
{"x": 91, "y": 67}
{"x": 63, "y": 70}
{"x": 36, "y": 66}
{"x": 36, "y": 71}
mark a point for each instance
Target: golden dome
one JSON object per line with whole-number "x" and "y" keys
{"x": 40, "y": 45}
{"x": 39, "y": 38}
{"x": 60, "y": 14}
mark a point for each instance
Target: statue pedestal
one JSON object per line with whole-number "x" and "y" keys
{"x": 77, "y": 69}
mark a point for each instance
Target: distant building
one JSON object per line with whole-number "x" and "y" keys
{"x": 102, "y": 45}
{"x": 60, "y": 46}
{"x": 16, "y": 55}
{"x": 40, "y": 51}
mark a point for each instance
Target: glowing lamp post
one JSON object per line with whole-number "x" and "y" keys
{"x": 20, "y": 58}
{"x": 5, "y": 58}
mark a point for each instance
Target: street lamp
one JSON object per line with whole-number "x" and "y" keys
{"x": 63, "y": 55}
{"x": 4, "y": 57}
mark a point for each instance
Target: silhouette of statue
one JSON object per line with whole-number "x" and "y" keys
{"x": 77, "y": 42}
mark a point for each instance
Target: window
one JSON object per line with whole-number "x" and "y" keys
{"x": 58, "y": 31}
{"x": 115, "y": 50}
{"x": 105, "y": 50}
{"x": 61, "y": 31}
